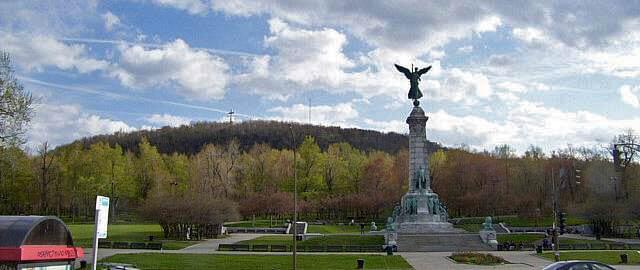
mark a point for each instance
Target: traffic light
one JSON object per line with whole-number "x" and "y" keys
{"x": 562, "y": 218}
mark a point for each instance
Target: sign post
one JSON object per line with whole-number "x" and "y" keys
{"x": 101, "y": 221}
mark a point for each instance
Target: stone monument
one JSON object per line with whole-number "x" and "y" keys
{"x": 488, "y": 233}
{"x": 420, "y": 210}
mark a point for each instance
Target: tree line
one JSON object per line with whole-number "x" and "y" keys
{"x": 189, "y": 139}
{"x": 338, "y": 183}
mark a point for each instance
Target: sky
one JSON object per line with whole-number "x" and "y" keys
{"x": 543, "y": 73}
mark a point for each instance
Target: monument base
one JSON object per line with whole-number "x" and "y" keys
{"x": 419, "y": 227}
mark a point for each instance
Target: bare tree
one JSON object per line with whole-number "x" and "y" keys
{"x": 45, "y": 179}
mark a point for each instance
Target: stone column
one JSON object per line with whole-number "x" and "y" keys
{"x": 418, "y": 147}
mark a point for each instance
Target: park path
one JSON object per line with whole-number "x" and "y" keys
{"x": 207, "y": 246}
{"x": 439, "y": 260}
{"x": 518, "y": 259}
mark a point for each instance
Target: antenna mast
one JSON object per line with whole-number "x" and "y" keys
{"x": 231, "y": 116}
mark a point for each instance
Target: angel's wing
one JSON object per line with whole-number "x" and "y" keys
{"x": 407, "y": 72}
{"x": 423, "y": 71}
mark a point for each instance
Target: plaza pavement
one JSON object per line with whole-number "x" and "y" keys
{"x": 418, "y": 260}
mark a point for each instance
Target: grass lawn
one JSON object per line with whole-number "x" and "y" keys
{"x": 327, "y": 229}
{"x": 533, "y": 222}
{"x": 83, "y": 235}
{"x": 534, "y": 238}
{"x": 471, "y": 227}
{"x": 525, "y": 238}
{"x": 329, "y": 240}
{"x": 571, "y": 241}
{"x": 209, "y": 261}
{"x": 604, "y": 256}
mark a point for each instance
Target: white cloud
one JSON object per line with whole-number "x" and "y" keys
{"x": 409, "y": 26}
{"x": 191, "y": 6}
{"x": 465, "y": 49}
{"x": 525, "y": 124}
{"x": 37, "y": 52}
{"x": 195, "y": 73}
{"x": 488, "y": 24}
{"x": 630, "y": 95}
{"x": 396, "y": 126}
{"x": 530, "y": 35}
{"x": 304, "y": 60}
{"x": 512, "y": 87}
{"x": 339, "y": 114}
{"x": 110, "y": 20}
{"x": 60, "y": 124}
{"x": 168, "y": 120}
{"x": 47, "y": 17}
{"x": 460, "y": 86}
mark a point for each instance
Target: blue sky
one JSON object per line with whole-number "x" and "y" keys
{"x": 545, "y": 73}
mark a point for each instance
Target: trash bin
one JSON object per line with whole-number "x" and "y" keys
{"x": 360, "y": 263}
{"x": 539, "y": 249}
{"x": 624, "y": 259}
{"x": 36, "y": 242}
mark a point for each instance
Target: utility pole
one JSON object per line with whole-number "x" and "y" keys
{"x": 231, "y": 116}
{"x": 556, "y": 241}
{"x": 295, "y": 199}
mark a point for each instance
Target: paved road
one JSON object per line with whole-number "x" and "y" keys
{"x": 519, "y": 260}
{"x": 439, "y": 260}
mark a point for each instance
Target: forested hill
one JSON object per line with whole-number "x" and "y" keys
{"x": 190, "y": 139}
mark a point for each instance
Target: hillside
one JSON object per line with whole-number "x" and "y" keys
{"x": 190, "y": 139}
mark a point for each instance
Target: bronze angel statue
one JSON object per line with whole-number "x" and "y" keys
{"x": 414, "y": 78}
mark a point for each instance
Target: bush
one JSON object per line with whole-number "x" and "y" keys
{"x": 201, "y": 215}
{"x": 477, "y": 258}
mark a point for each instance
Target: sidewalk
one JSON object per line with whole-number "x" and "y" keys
{"x": 439, "y": 260}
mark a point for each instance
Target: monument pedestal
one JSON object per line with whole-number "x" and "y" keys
{"x": 421, "y": 211}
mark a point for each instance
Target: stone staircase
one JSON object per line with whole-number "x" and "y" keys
{"x": 441, "y": 242}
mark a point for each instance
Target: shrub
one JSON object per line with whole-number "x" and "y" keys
{"x": 477, "y": 258}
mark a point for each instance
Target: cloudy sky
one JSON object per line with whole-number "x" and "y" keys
{"x": 547, "y": 73}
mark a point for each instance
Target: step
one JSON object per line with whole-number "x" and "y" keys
{"x": 441, "y": 242}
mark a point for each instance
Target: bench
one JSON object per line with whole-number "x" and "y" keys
{"x": 315, "y": 248}
{"x": 371, "y": 248}
{"x": 260, "y": 248}
{"x": 154, "y": 245}
{"x": 279, "y": 248}
{"x": 581, "y": 246}
{"x": 617, "y": 246}
{"x": 121, "y": 245}
{"x": 598, "y": 246}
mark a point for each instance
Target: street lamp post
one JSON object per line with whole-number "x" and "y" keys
{"x": 556, "y": 251}
{"x": 295, "y": 199}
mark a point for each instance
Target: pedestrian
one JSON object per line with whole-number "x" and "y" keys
{"x": 361, "y": 228}
{"x": 545, "y": 243}
{"x": 638, "y": 232}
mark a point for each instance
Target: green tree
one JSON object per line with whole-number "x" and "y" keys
{"x": 150, "y": 170}
{"x": 310, "y": 166}
{"x": 15, "y": 175}
{"x": 15, "y": 105}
